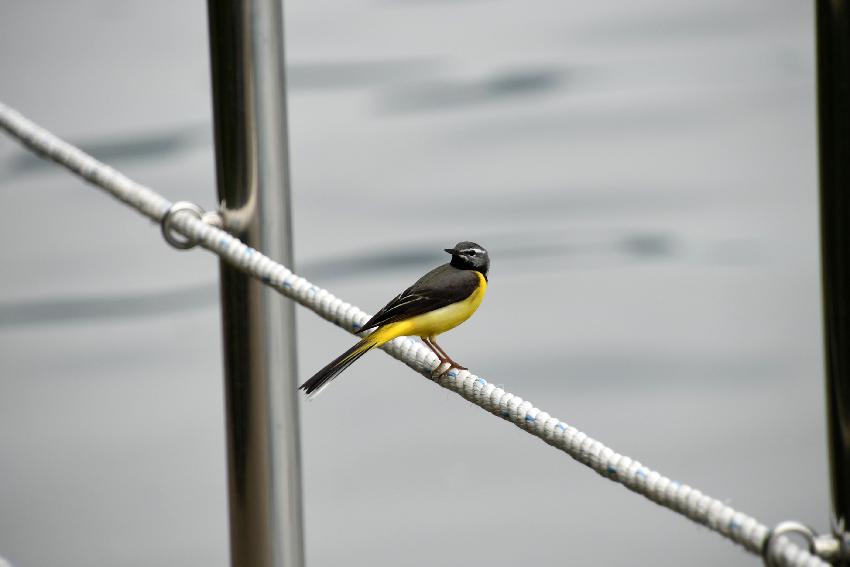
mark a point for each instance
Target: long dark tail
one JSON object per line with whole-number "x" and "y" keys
{"x": 314, "y": 385}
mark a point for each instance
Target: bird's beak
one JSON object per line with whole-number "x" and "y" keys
{"x": 451, "y": 251}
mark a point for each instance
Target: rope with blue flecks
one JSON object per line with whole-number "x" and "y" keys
{"x": 681, "y": 498}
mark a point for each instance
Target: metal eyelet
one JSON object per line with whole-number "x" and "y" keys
{"x": 178, "y": 240}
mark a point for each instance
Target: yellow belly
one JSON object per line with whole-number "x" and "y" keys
{"x": 438, "y": 321}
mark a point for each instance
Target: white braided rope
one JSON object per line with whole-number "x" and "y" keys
{"x": 681, "y": 498}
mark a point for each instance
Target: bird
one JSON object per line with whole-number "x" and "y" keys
{"x": 439, "y": 301}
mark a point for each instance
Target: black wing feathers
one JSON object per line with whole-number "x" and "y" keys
{"x": 438, "y": 288}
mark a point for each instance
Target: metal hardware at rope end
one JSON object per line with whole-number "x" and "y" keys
{"x": 827, "y": 546}
{"x": 178, "y": 240}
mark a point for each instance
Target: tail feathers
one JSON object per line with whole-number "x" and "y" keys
{"x": 317, "y": 383}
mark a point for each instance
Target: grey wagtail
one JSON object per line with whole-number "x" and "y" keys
{"x": 439, "y": 301}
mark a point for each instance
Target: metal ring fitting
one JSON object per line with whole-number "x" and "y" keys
{"x": 783, "y": 528}
{"x": 178, "y": 240}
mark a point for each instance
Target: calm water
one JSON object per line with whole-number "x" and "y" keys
{"x": 643, "y": 174}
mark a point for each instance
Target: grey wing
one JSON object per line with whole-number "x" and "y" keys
{"x": 438, "y": 288}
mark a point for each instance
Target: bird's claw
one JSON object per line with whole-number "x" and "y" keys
{"x": 444, "y": 368}
{"x": 441, "y": 370}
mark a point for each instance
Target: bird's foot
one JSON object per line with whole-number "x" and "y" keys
{"x": 441, "y": 370}
{"x": 445, "y": 368}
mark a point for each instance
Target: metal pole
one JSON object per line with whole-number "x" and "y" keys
{"x": 833, "y": 74}
{"x": 249, "y": 110}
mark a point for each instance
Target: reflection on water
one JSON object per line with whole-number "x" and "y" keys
{"x": 71, "y": 309}
{"x": 119, "y": 150}
{"x": 678, "y": 25}
{"x": 357, "y": 74}
{"x": 460, "y": 93}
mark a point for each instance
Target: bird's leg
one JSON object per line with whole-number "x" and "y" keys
{"x": 436, "y": 347}
{"x": 432, "y": 341}
{"x": 440, "y": 355}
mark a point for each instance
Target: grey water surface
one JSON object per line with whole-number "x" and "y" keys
{"x": 643, "y": 174}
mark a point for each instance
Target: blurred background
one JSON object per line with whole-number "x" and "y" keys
{"x": 643, "y": 174}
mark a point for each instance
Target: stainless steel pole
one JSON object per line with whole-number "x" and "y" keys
{"x": 249, "y": 110}
{"x": 833, "y": 72}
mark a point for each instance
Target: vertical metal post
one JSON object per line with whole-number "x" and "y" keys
{"x": 833, "y": 75}
{"x": 249, "y": 110}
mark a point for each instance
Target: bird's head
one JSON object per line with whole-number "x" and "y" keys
{"x": 470, "y": 256}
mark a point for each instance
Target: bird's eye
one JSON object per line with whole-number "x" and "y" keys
{"x": 473, "y": 253}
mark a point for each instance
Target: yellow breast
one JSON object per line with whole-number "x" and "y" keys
{"x": 440, "y": 320}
